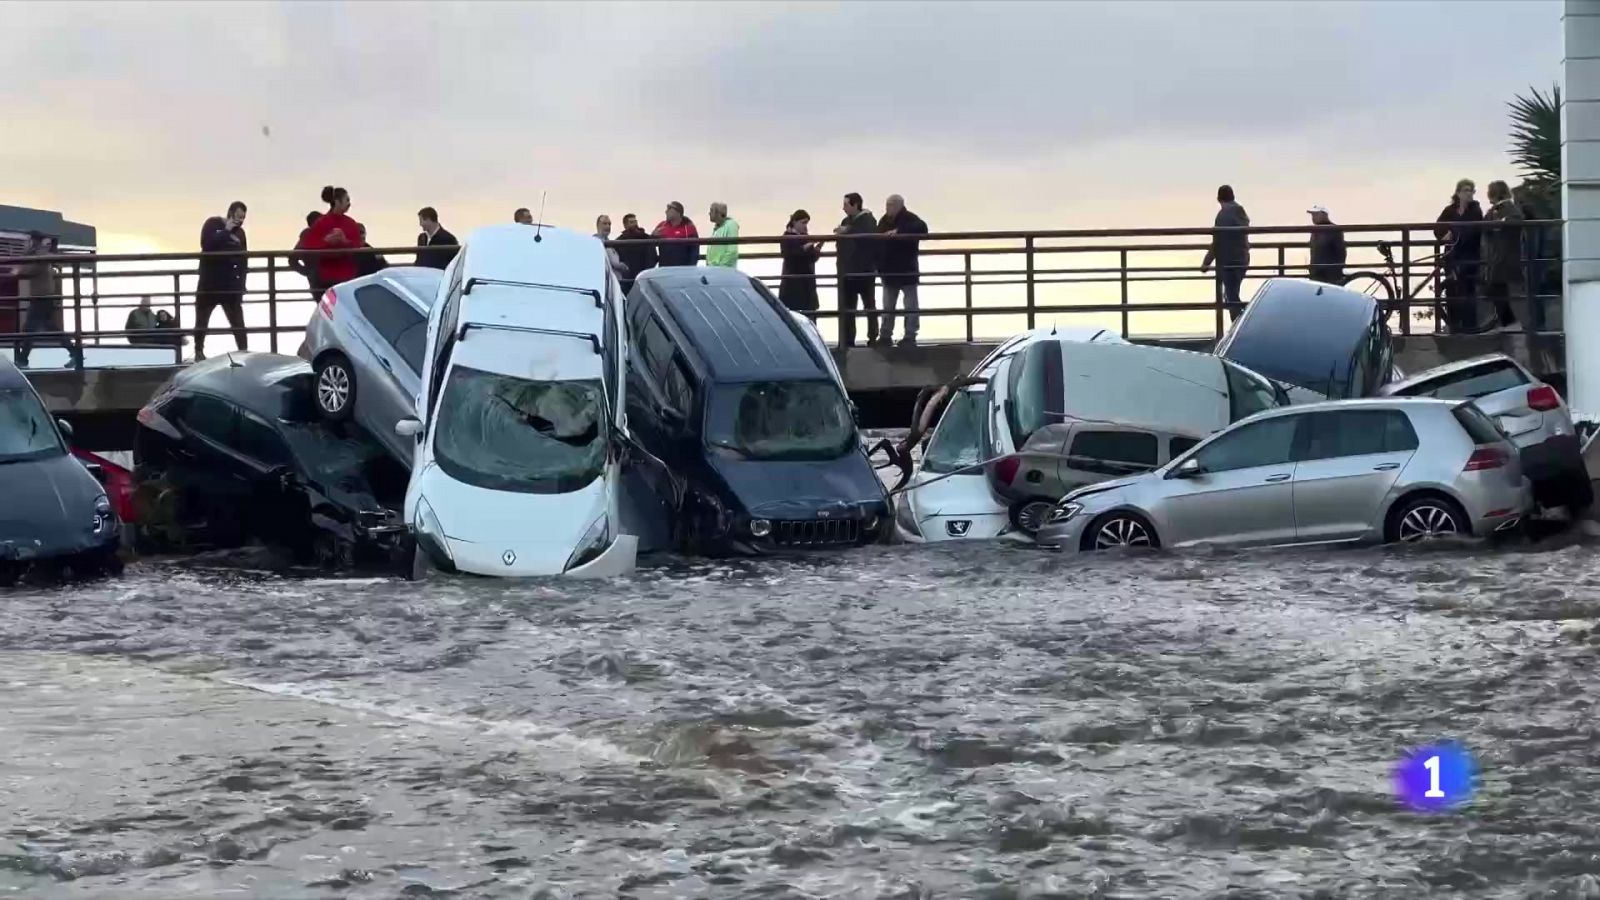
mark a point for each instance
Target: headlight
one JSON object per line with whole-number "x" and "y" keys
{"x": 595, "y": 541}
{"x": 1063, "y": 512}
{"x": 906, "y": 515}
{"x": 429, "y": 529}
{"x": 760, "y": 527}
{"x": 102, "y": 513}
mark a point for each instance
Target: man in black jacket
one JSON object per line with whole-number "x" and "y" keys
{"x": 636, "y": 258}
{"x": 856, "y": 263}
{"x": 898, "y": 268}
{"x": 222, "y": 278}
{"x": 1327, "y": 249}
{"x": 434, "y": 236}
{"x": 1230, "y": 250}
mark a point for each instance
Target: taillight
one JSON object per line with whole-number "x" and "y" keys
{"x": 1486, "y": 458}
{"x": 1544, "y": 398}
{"x": 1006, "y": 469}
{"x": 329, "y": 301}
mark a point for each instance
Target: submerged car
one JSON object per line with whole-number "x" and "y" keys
{"x": 948, "y": 494}
{"x": 1320, "y": 341}
{"x": 57, "y": 513}
{"x": 740, "y": 399}
{"x": 1531, "y": 412}
{"x": 365, "y": 343}
{"x": 522, "y": 435}
{"x": 1395, "y": 469}
{"x": 230, "y": 450}
{"x": 1071, "y": 414}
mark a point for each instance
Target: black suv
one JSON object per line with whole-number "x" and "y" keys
{"x": 727, "y": 389}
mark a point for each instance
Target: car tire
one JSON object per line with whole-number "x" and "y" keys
{"x": 333, "y": 388}
{"x": 1028, "y": 516}
{"x": 416, "y": 565}
{"x": 1118, "y": 529}
{"x": 1425, "y": 517}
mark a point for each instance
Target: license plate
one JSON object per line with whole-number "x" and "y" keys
{"x": 1515, "y": 425}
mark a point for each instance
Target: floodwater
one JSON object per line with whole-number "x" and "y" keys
{"x": 989, "y": 721}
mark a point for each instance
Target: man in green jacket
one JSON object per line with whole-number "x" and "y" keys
{"x": 724, "y": 255}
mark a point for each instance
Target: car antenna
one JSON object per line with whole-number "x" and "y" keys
{"x": 232, "y": 363}
{"x": 540, "y": 226}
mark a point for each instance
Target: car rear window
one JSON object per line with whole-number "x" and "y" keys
{"x": 1471, "y": 383}
{"x": 1479, "y": 427}
{"x": 1113, "y": 452}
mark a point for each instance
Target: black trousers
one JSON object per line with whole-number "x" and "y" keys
{"x": 1231, "y": 277}
{"x": 41, "y": 317}
{"x": 1500, "y": 293}
{"x": 232, "y": 303}
{"x": 856, "y": 290}
{"x": 1461, "y": 299}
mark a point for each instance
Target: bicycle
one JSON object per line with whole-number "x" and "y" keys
{"x": 1382, "y": 286}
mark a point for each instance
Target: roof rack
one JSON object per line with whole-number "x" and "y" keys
{"x": 594, "y": 340}
{"x": 599, "y": 302}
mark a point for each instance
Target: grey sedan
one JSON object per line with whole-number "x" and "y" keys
{"x": 365, "y": 342}
{"x": 1358, "y": 470}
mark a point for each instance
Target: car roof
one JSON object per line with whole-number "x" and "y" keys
{"x": 522, "y": 258}
{"x": 1361, "y": 403}
{"x": 1293, "y": 329}
{"x": 255, "y": 381}
{"x": 1449, "y": 368}
{"x": 740, "y": 332}
{"x": 11, "y": 377}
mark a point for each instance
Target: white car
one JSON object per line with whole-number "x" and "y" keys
{"x": 519, "y": 454}
{"x": 948, "y": 497}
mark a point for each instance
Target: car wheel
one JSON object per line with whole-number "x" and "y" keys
{"x": 1028, "y": 516}
{"x": 1120, "y": 529}
{"x": 1426, "y": 518}
{"x": 335, "y": 387}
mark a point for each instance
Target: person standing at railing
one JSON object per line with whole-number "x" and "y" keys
{"x": 222, "y": 278}
{"x": 724, "y": 256}
{"x": 1327, "y": 249}
{"x": 41, "y": 290}
{"x": 899, "y": 270}
{"x": 1502, "y": 253}
{"x": 677, "y": 226}
{"x": 305, "y": 265}
{"x": 798, "y": 290}
{"x": 1230, "y": 250}
{"x": 856, "y": 262}
{"x": 1460, "y": 253}
{"x": 434, "y": 236}
{"x": 335, "y": 231}
{"x": 638, "y": 255}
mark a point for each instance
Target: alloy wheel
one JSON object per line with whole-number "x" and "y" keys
{"x": 1426, "y": 522}
{"x": 333, "y": 388}
{"x": 1122, "y": 532}
{"x": 1033, "y": 516}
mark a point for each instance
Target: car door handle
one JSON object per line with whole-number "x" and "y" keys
{"x": 384, "y": 361}
{"x": 1386, "y": 467}
{"x": 1277, "y": 477}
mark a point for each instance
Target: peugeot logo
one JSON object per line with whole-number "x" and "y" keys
{"x": 508, "y": 558}
{"x": 957, "y": 527}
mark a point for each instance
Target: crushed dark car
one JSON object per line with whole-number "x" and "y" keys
{"x": 732, "y": 395}
{"x": 57, "y": 515}
{"x": 231, "y": 450}
{"x": 1321, "y": 342}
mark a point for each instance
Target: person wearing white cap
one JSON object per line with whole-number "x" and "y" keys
{"x": 1327, "y": 249}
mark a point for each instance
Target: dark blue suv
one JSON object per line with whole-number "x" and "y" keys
{"x": 760, "y": 442}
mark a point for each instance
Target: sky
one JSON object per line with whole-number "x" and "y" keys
{"x": 145, "y": 118}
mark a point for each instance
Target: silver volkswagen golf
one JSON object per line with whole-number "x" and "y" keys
{"x": 1396, "y": 469}
{"x": 365, "y": 343}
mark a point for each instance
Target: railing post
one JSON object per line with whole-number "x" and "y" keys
{"x": 77, "y": 312}
{"x": 272, "y": 299}
{"x": 967, "y": 257}
{"x": 1123, "y": 267}
{"x": 1404, "y": 287}
{"x": 1216, "y": 290}
{"x": 1031, "y": 311}
{"x": 1281, "y": 260}
{"x": 1533, "y": 255}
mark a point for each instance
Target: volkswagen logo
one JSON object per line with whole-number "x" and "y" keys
{"x": 508, "y": 558}
{"x": 957, "y": 527}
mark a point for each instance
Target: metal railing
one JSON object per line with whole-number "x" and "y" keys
{"x": 1144, "y": 283}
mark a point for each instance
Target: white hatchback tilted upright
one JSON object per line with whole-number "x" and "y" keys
{"x": 518, "y": 460}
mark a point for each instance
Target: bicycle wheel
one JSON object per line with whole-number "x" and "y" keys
{"x": 1372, "y": 284}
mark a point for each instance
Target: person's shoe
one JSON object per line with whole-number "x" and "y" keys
{"x": 909, "y": 340}
{"x": 21, "y": 361}
{"x": 1513, "y": 328}
{"x": 881, "y": 342}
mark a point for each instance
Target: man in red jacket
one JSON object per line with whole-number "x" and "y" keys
{"x": 677, "y": 227}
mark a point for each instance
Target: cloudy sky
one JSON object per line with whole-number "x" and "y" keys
{"x": 144, "y": 118}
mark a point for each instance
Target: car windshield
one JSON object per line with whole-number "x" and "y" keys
{"x": 1249, "y": 394}
{"x": 506, "y": 433}
{"x": 799, "y": 420}
{"x": 958, "y": 440}
{"x": 26, "y": 432}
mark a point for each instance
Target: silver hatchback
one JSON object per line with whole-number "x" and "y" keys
{"x": 1396, "y": 469}
{"x": 365, "y": 342}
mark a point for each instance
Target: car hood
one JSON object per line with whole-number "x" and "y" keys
{"x": 511, "y": 534}
{"x": 49, "y": 505}
{"x": 790, "y": 489}
{"x": 1101, "y": 487}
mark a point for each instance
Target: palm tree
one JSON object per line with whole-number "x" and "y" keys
{"x": 1536, "y": 146}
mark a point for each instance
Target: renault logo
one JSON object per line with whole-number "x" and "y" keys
{"x": 957, "y": 527}
{"x": 508, "y": 558}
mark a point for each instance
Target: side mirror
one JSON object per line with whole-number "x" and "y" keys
{"x": 408, "y": 427}
{"x": 1189, "y": 468}
{"x": 65, "y": 427}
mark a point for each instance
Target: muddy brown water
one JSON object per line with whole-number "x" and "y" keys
{"x": 977, "y": 720}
